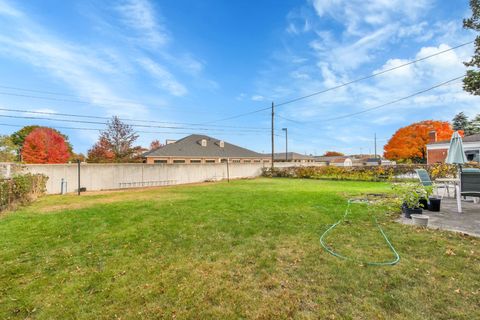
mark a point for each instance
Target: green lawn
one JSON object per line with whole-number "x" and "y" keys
{"x": 245, "y": 249}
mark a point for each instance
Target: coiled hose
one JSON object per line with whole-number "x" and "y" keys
{"x": 338, "y": 255}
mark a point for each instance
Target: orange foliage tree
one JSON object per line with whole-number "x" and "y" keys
{"x": 333, "y": 154}
{"x": 101, "y": 152}
{"x": 45, "y": 145}
{"x": 409, "y": 143}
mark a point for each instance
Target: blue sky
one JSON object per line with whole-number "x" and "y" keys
{"x": 200, "y": 61}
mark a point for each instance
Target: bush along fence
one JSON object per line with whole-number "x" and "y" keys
{"x": 21, "y": 189}
{"x": 374, "y": 173}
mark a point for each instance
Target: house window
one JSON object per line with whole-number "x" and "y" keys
{"x": 160, "y": 161}
{"x": 473, "y": 155}
{"x": 236, "y": 160}
{"x": 256, "y": 161}
{"x": 223, "y": 161}
{"x": 247, "y": 161}
{"x": 195, "y": 161}
{"x": 209, "y": 161}
{"x": 178, "y": 161}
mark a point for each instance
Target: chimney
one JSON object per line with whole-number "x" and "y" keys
{"x": 204, "y": 142}
{"x": 221, "y": 144}
{"x": 170, "y": 141}
{"x": 432, "y": 136}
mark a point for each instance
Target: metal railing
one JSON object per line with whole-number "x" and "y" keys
{"x": 139, "y": 184}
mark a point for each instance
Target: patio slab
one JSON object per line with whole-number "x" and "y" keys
{"x": 449, "y": 219}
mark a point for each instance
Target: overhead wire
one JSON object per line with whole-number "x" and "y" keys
{"x": 123, "y": 119}
{"x": 375, "y": 74}
{"x": 379, "y": 106}
{"x": 133, "y": 125}
{"x": 101, "y": 129}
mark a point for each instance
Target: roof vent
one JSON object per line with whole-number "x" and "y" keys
{"x": 204, "y": 142}
{"x": 221, "y": 144}
{"x": 170, "y": 141}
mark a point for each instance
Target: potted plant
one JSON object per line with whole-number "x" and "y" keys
{"x": 410, "y": 195}
{"x": 434, "y": 204}
{"x": 425, "y": 192}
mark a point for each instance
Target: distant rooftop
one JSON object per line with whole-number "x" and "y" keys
{"x": 291, "y": 156}
{"x": 191, "y": 146}
{"x": 470, "y": 138}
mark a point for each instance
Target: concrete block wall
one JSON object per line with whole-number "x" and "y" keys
{"x": 116, "y": 176}
{"x": 96, "y": 177}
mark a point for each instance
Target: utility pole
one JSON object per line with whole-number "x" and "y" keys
{"x": 286, "y": 143}
{"x": 273, "y": 135}
{"x": 375, "y": 138}
{"x": 78, "y": 172}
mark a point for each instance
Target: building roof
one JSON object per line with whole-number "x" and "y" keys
{"x": 191, "y": 146}
{"x": 470, "y": 138}
{"x": 291, "y": 156}
{"x": 329, "y": 158}
{"x": 339, "y": 160}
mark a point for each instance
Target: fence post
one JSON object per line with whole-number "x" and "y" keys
{"x": 78, "y": 170}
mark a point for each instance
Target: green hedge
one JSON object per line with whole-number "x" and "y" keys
{"x": 21, "y": 189}
{"x": 373, "y": 173}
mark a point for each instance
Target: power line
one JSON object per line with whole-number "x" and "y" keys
{"x": 100, "y": 129}
{"x": 218, "y": 120}
{"x": 397, "y": 100}
{"x": 58, "y": 99}
{"x": 123, "y": 119}
{"x": 375, "y": 74}
{"x": 382, "y": 105}
{"x": 63, "y": 94}
{"x": 133, "y": 125}
{"x": 239, "y": 115}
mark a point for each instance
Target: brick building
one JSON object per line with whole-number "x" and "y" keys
{"x": 437, "y": 150}
{"x": 195, "y": 149}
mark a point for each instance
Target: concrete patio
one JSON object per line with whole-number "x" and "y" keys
{"x": 449, "y": 219}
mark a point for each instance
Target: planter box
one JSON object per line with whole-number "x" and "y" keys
{"x": 424, "y": 204}
{"x": 420, "y": 220}
{"x": 408, "y": 212}
{"x": 434, "y": 204}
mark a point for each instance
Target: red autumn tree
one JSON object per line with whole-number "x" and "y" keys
{"x": 409, "y": 143}
{"x": 155, "y": 144}
{"x": 45, "y": 145}
{"x": 332, "y": 154}
{"x": 101, "y": 152}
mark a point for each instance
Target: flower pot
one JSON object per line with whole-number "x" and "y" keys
{"x": 423, "y": 203}
{"x": 434, "y": 204}
{"x": 420, "y": 220}
{"x": 410, "y": 211}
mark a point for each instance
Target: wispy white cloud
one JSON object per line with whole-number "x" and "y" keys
{"x": 140, "y": 15}
{"x": 8, "y": 10}
{"x": 83, "y": 70}
{"x": 258, "y": 97}
{"x": 165, "y": 79}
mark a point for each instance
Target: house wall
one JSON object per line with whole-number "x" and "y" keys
{"x": 436, "y": 156}
{"x": 170, "y": 160}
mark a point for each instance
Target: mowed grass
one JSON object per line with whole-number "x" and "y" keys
{"x": 245, "y": 249}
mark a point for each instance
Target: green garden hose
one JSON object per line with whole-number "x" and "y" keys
{"x": 333, "y": 253}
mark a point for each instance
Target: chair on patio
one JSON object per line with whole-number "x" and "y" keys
{"x": 427, "y": 182}
{"x": 469, "y": 187}
{"x": 470, "y": 184}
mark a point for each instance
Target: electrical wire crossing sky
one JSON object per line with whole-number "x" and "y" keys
{"x": 337, "y": 74}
